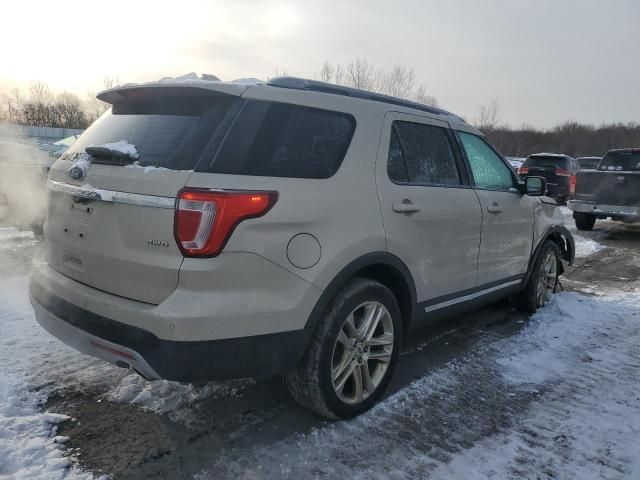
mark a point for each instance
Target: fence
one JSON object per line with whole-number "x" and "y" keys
{"x": 37, "y": 134}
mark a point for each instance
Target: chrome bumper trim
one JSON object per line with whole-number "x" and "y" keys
{"x": 606, "y": 210}
{"x": 89, "y": 193}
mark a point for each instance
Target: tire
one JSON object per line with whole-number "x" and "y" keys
{"x": 337, "y": 347}
{"x": 532, "y": 298}
{"x": 584, "y": 221}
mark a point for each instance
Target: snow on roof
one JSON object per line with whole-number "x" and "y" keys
{"x": 205, "y": 81}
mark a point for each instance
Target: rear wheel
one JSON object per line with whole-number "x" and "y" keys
{"x": 543, "y": 281}
{"x": 353, "y": 352}
{"x": 584, "y": 221}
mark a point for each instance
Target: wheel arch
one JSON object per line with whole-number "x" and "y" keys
{"x": 382, "y": 267}
{"x": 563, "y": 239}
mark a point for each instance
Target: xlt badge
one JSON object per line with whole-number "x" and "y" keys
{"x": 158, "y": 243}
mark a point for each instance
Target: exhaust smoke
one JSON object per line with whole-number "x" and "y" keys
{"x": 23, "y": 182}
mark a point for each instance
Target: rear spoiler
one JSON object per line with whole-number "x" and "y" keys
{"x": 173, "y": 88}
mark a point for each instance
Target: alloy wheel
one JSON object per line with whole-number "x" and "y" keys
{"x": 547, "y": 280}
{"x": 362, "y": 352}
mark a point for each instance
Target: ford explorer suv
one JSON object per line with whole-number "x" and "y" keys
{"x": 558, "y": 170}
{"x": 204, "y": 230}
{"x": 610, "y": 191}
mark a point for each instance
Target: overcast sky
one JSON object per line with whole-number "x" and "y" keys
{"x": 545, "y": 61}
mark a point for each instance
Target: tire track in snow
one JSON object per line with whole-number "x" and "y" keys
{"x": 482, "y": 417}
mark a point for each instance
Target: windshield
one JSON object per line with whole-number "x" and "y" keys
{"x": 623, "y": 160}
{"x": 168, "y": 132}
{"x": 550, "y": 162}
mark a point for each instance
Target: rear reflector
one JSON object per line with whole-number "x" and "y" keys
{"x": 573, "y": 181}
{"x": 111, "y": 350}
{"x": 205, "y": 219}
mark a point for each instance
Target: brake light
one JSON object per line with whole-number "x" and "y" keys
{"x": 205, "y": 219}
{"x": 523, "y": 170}
{"x": 573, "y": 182}
{"x": 561, "y": 172}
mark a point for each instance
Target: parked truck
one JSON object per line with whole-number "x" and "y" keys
{"x": 612, "y": 190}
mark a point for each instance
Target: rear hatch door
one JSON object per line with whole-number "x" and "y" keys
{"x": 111, "y": 225}
{"x": 553, "y": 168}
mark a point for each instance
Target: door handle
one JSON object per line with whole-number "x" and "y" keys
{"x": 405, "y": 207}
{"x": 494, "y": 208}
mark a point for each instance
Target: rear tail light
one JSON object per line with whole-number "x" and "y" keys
{"x": 523, "y": 170}
{"x": 205, "y": 219}
{"x": 573, "y": 181}
{"x": 561, "y": 172}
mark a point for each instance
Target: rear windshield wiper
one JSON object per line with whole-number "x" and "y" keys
{"x": 110, "y": 156}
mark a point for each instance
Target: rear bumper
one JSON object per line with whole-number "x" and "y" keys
{"x": 154, "y": 358}
{"x": 604, "y": 210}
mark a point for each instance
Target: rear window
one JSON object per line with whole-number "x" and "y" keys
{"x": 546, "y": 162}
{"x": 619, "y": 161}
{"x": 588, "y": 163}
{"x": 281, "y": 140}
{"x": 168, "y": 132}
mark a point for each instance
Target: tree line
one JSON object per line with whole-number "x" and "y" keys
{"x": 41, "y": 107}
{"x": 571, "y": 137}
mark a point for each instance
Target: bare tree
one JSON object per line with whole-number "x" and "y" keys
{"x": 94, "y": 108}
{"x": 110, "y": 82}
{"x": 488, "y": 116}
{"x": 421, "y": 96}
{"x": 68, "y": 111}
{"x": 398, "y": 82}
{"x": 359, "y": 73}
{"x": 332, "y": 73}
{"x": 363, "y": 75}
{"x": 13, "y": 106}
{"x": 327, "y": 72}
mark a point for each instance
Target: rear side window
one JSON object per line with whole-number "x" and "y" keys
{"x": 168, "y": 132}
{"x": 282, "y": 140}
{"x": 548, "y": 162}
{"x": 621, "y": 161}
{"x": 421, "y": 154}
{"x": 488, "y": 169}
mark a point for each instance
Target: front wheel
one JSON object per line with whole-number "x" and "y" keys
{"x": 353, "y": 352}
{"x": 584, "y": 221}
{"x": 544, "y": 279}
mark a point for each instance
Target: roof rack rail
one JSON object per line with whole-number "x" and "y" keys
{"x": 317, "y": 86}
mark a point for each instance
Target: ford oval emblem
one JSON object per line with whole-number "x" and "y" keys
{"x": 76, "y": 173}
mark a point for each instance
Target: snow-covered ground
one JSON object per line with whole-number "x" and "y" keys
{"x": 584, "y": 246}
{"x": 555, "y": 397}
{"x": 573, "y": 371}
{"x": 29, "y": 446}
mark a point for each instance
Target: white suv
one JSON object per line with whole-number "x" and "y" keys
{"x": 204, "y": 230}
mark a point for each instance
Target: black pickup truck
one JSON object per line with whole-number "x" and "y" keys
{"x": 612, "y": 190}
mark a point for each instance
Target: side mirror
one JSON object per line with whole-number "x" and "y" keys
{"x": 535, "y": 186}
